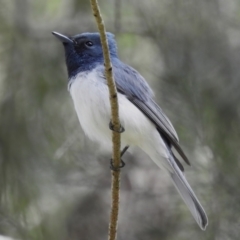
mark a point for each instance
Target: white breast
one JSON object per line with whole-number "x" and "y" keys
{"x": 91, "y": 100}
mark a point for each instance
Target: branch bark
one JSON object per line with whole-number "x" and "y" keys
{"x": 116, "y": 140}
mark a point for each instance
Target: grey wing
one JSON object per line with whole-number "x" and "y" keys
{"x": 130, "y": 83}
{"x": 135, "y": 88}
{"x": 163, "y": 125}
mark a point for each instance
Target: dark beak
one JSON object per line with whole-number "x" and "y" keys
{"x": 62, "y": 38}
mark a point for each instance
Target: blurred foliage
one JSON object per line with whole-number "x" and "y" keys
{"x": 55, "y": 183}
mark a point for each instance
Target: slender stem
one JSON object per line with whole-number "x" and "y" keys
{"x": 116, "y": 140}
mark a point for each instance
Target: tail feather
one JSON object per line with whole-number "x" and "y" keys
{"x": 189, "y": 197}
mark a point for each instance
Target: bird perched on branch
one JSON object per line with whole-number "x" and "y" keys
{"x": 144, "y": 121}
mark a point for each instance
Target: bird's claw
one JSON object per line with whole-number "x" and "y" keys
{"x": 111, "y": 126}
{"x": 116, "y": 169}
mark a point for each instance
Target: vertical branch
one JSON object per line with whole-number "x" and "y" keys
{"x": 115, "y": 121}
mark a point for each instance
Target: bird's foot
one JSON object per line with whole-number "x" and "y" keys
{"x": 122, "y": 162}
{"x": 116, "y": 169}
{"x": 111, "y": 126}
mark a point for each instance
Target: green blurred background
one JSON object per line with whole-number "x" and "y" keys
{"x": 55, "y": 183}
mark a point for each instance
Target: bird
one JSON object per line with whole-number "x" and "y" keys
{"x": 145, "y": 124}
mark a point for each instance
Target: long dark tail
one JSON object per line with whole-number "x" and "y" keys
{"x": 189, "y": 197}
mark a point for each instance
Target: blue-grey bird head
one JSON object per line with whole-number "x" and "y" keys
{"x": 83, "y": 52}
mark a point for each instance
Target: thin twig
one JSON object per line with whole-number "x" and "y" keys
{"x": 116, "y": 140}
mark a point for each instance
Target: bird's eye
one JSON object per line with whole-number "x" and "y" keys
{"x": 89, "y": 44}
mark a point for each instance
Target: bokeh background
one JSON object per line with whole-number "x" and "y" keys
{"x": 55, "y": 183}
